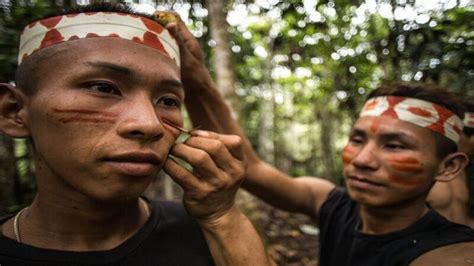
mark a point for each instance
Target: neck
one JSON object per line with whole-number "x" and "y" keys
{"x": 383, "y": 220}
{"x": 81, "y": 225}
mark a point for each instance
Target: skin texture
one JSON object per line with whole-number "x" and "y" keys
{"x": 388, "y": 174}
{"x": 95, "y": 121}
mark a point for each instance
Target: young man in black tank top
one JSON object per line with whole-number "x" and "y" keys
{"x": 98, "y": 94}
{"x": 405, "y": 140}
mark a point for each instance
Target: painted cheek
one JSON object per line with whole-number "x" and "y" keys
{"x": 406, "y": 170}
{"x": 84, "y": 116}
{"x": 172, "y": 130}
{"x": 347, "y": 154}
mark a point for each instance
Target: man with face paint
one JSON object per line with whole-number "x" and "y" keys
{"x": 404, "y": 140}
{"x": 98, "y": 94}
{"x": 455, "y": 199}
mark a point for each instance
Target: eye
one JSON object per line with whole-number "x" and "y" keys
{"x": 103, "y": 87}
{"x": 394, "y": 146}
{"x": 356, "y": 140}
{"x": 169, "y": 101}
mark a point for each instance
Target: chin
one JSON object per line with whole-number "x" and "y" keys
{"x": 119, "y": 194}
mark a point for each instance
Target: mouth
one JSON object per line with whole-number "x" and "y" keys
{"x": 362, "y": 182}
{"x": 134, "y": 163}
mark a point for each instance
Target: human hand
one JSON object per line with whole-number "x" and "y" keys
{"x": 219, "y": 164}
{"x": 193, "y": 69}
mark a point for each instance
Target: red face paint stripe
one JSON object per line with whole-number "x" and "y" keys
{"x": 405, "y": 181}
{"x": 407, "y": 160}
{"x": 407, "y": 168}
{"x": 84, "y": 111}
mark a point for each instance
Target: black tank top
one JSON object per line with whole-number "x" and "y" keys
{"x": 343, "y": 244}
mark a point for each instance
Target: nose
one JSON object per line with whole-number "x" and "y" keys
{"x": 366, "y": 158}
{"x": 140, "y": 120}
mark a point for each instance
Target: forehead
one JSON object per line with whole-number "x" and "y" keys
{"x": 385, "y": 125}
{"x": 68, "y": 56}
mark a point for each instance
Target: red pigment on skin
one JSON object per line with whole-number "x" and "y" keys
{"x": 405, "y": 181}
{"x": 347, "y": 154}
{"x": 407, "y": 168}
{"x": 171, "y": 130}
{"x": 83, "y": 115}
{"x": 84, "y": 111}
{"x": 406, "y": 164}
{"x": 407, "y": 160}
{"x": 374, "y": 127}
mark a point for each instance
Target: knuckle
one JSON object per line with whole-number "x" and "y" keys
{"x": 216, "y": 146}
{"x": 201, "y": 158}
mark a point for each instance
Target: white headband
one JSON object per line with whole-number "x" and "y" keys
{"x": 50, "y": 31}
{"x": 468, "y": 119}
{"x": 419, "y": 112}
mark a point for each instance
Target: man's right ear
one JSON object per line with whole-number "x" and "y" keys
{"x": 13, "y": 111}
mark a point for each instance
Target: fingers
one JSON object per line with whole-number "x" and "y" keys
{"x": 233, "y": 143}
{"x": 186, "y": 40}
{"x": 210, "y": 159}
{"x": 180, "y": 175}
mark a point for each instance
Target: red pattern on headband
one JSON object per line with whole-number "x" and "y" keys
{"x": 392, "y": 102}
{"x": 418, "y": 112}
{"x": 50, "y": 31}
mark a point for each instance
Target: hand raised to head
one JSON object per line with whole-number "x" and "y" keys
{"x": 218, "y": 165}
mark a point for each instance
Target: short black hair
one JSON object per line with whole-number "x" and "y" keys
{"x": 431, "y": 93}
{"x": 26, "y": 74}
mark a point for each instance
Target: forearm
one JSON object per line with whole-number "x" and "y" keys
{"x": 233, "y": 240}
{"x": 208, "y": 110}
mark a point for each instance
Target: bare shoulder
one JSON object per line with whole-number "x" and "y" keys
{"x": 319, "y": 188}
{"x": 460, "y": 254}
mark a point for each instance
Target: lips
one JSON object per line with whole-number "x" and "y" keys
{"x": 134, "y": 163}
{"x": 362, "y": 182}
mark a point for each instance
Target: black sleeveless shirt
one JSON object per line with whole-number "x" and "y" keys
{"x": 170, "y": 237}
{"x": 343, "y": 244}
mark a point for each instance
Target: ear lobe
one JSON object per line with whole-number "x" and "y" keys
{"x": 451, "y": 166}
{"x": 13, "y": 112}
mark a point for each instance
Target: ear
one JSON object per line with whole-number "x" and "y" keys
{"x": 451, "y": 166}
{"x": 13, "y": 111}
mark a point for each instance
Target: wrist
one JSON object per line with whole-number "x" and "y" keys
{"x": 228, "y": 221}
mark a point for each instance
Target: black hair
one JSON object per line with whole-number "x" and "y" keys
{"x": 26, "y": 74}
{"x": 430, "y": 93}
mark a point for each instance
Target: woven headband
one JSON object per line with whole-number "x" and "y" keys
{"x": 50, "y": 31}
{"x": 469, "y": 120}
{"x": 418, "y": 112}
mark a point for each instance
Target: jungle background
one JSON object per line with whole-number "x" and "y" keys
{"x": 295, "y": 74}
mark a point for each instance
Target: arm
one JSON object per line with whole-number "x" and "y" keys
{"x": 209, "y": 196}
{"x": 207, "y": 109}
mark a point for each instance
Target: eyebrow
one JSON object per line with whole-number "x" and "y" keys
{"x": 384, "y": 135}
{"x": 129, "y": 72}
{"x": 111, "y": 67}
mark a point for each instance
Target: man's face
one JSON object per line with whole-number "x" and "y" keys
{"x": 95, "y": 118}
{"x": 388, "y": 162}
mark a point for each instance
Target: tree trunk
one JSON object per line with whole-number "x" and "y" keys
{"x": 327, "y": 157}
{"x": 223, "y": 56}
